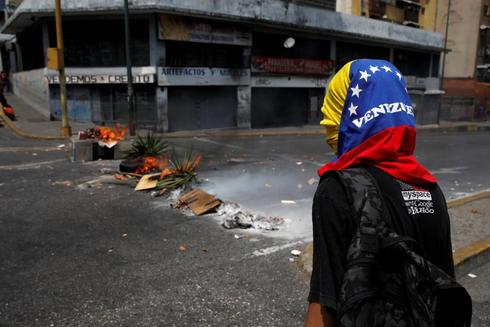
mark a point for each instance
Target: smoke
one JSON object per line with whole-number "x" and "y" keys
{"x": 265, "y": 194}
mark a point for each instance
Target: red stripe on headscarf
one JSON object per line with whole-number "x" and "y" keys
{"x": 390, "y": 150}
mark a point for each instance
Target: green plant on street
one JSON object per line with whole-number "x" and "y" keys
{"x": 149, "y": 145}
{"x": 183, "y": 171}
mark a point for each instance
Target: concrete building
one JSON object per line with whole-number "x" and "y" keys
{"x": 415, "y": 13}
{"x": 467, "y": 69}
{"x": 467, "y": 66}
{"x": 206, "y": 64}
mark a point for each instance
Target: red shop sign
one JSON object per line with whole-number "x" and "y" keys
{"x": 291, "y": 65}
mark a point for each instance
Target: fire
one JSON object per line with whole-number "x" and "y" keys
{"x": 166, "y": 172}
{"x": 107, "y": 134}
{"x": 152, "y": 164}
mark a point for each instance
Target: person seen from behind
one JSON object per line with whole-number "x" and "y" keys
{"x": 370, "y": 123}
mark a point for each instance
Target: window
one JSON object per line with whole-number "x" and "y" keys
{"x": 190, "y": 54}
{"x": 100, "y": 43}
{"x": 412, "y": 63}
{"x": 350, "y": 51}
{"x": 272, "y": 45}
{"x": 486, "y": 10}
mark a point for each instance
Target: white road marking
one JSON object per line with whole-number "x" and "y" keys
{"x": 201, "y": 139}
{"x": 274, "y": 249}
{"x": 29, "y": 149}
{"x": 450, "y": 170}
{"x": 33, "y": 165}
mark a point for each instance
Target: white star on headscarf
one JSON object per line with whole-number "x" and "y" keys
{"x": 352, "y": 109}
{"x": 373, "y": 69}
{"x": 399, "y": 75}
{"x": 386, "y": 68}
{"x": 356, "y": 90}
{"x": 364, "y": 75}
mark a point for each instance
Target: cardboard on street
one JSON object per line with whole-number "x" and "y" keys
{"x": 147, "y": 182}
{"x": 199, "y": 201}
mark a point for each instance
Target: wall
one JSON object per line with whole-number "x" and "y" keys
{"x": 463, "y": 34}
{"x": 33, "y": 88}
{"x": 459, "y": 87}
{"x": 79, "y": 103}
{"x": 428, "y": 18}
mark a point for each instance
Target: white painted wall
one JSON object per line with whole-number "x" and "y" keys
{"x": 33, "y": 88}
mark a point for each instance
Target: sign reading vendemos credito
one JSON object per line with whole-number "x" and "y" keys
{"x": 101, "y": 79}
{"x": 292, "y": 66}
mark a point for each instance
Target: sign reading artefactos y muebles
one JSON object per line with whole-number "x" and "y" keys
{"x": 173, "y": 76}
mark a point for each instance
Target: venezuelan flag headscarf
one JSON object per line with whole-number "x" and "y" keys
{"x": 370, "y": 120}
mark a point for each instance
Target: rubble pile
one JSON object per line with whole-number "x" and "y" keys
{"x": 235, "y": 217}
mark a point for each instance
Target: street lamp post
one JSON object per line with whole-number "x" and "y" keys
{"x": 131, "y": 108}
{"x": 65, "y": 126}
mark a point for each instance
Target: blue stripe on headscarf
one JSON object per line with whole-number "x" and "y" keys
{"x": 377, "y": 99}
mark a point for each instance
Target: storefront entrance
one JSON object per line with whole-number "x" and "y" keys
{"x": 201, "y": 107}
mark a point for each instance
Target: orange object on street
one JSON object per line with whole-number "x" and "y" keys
{"x": 9, "y": 111}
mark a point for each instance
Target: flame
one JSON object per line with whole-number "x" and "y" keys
{"x": 107, "y": 134}
{"x": 166, "y": 172}
{"x": 152, "y": 163}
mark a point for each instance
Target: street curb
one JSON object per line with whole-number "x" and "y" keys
{"x": 465, "y": 259}
{"x": 243, "y": 133}
{"x": 467, "y": 199}
{"x": 471, "y": 256}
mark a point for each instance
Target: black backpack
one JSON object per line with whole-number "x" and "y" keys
{"x": 386, "y": 283}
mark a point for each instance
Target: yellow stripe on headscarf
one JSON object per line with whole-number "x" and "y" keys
{"x": 334, "y": 103}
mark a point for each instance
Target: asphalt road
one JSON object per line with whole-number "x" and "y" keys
{"x": 107, "y": 256}
{"x": 259, "y": 173}
{"x": 477, "y": 282}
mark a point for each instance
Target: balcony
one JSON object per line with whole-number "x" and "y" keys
{"x": 327, "y": 4}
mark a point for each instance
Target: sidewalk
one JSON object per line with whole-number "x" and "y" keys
{"x": 32, "y": 121}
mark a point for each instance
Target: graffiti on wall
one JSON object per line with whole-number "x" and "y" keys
{"x": 79, "y": 105}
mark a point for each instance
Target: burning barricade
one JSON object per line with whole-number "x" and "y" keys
{"x": 105, "y": 136}
{"x": 149, "y": 157}
{"x": 151, "y": 165}
{"x": 97, "y": 143}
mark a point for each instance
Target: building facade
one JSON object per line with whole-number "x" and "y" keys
{"x": 205, "y": 64}
{"x": 415, "y": 13}
{"x": 467, "y": 69}
{"x": 467, "y": 66}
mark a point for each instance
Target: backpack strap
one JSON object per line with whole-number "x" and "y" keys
{"x": 367, "y": 204}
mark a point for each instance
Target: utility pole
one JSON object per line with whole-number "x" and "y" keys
{"x": 132, "y": 127}
{"x": 441, "y": 78}
{"x": 65, "y": 126}
{"x": 445, "y": 44}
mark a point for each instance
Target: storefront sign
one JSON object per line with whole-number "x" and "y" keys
{"x": 187, "y": 29}
{"x": 292, "y": 66}
{"x": 286, "y": 81}
{"x": 172, "y": 76}
{"x": 101, "y": 79}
